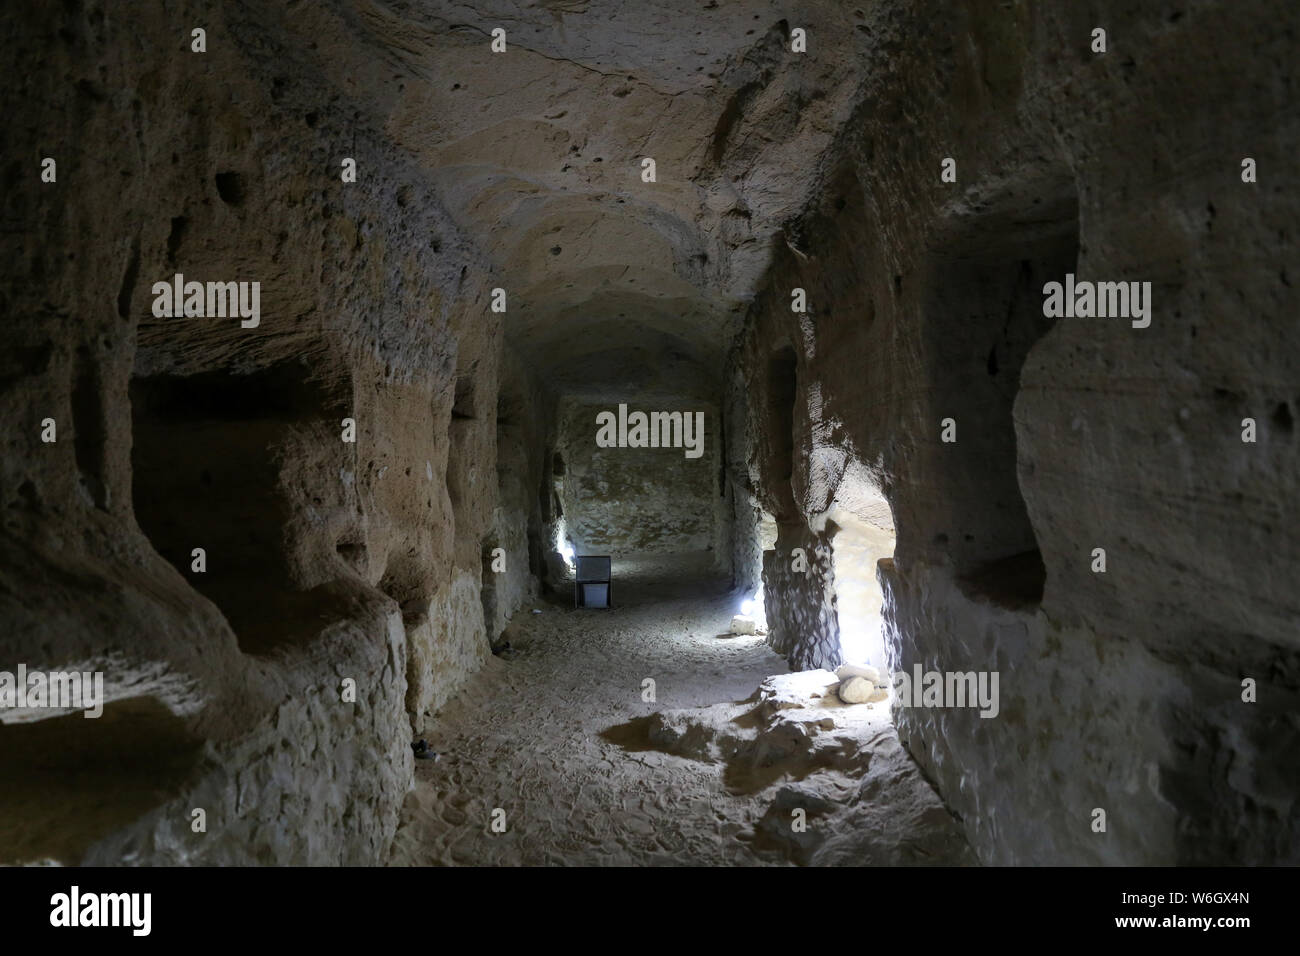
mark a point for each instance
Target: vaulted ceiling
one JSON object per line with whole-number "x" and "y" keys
{"x": 614, "y": 284}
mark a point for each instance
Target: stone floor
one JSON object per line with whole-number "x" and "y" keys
{"x": 716, "y": 770}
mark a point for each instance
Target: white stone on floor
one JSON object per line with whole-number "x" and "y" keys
{"x": 856, "y": 690}
{"x": 740, "y": 624}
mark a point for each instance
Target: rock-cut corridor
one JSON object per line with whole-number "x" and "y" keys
{"x": 672, "y": 432}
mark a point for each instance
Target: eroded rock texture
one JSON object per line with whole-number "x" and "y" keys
{"x": 326, "y": 561}
{"x": 502, "y": 267}
{"x": 1121, "y": 690}
{"x": 640, "y": 500}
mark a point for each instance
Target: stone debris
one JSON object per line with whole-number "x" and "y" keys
{"x": 729, "y": 763}
{"x": 740, "y": 624}
{"x": 856, "y": 690}
{"x": 423, "y": 751}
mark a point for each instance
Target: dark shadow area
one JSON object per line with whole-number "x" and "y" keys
{"x": 633, "y": 736}
{"x": 645, "y": 579}
{"x": 488, "y": 581}
{"x": 983, "y": 315}
{"x": 69, "y": 781}
{"x": 463, "y": 404}
{"x": 206, "y": 474}
{"x": 1015, "y": 582}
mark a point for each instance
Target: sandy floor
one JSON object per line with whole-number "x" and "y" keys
{"x": 588, "y": 773}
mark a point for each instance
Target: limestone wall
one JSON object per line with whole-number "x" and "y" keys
{"x": 330, "y": 565}
{"x": 369, "y": 566}
{"x": 1120, "y": 690}
{"x": 633, "y": 500}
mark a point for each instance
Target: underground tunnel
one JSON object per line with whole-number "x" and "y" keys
{"x": 576, "y": 432}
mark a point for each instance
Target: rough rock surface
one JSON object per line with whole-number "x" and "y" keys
{"x": 1121, "y": 690}
{"x": 388, "y": 565}
{"x": 637, "y": 500}
{"x": 740, "y": 624}
{"x": 588, "y": 772}
{"x": 323, "y": 557}
{"x": 855, "y": 690}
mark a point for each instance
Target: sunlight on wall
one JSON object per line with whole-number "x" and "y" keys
{"x": 563, "y": 545}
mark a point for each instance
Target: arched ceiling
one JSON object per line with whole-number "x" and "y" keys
{"x": 538, "y": 151}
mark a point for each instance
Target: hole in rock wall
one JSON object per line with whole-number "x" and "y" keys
{"x": 230, "y": 187}
{"x": 1283, "y": 418}
{"x": 857, "y": 547}
{"x": 458, "y": 438}
{"x": 206, "y": 473}
{"x": 69, "y": 781}
{"x": 462, "y": 406}
{"x": 90, "y": 437}
{"x": 983, "y": 315}
{"x": 488, "y": 583}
